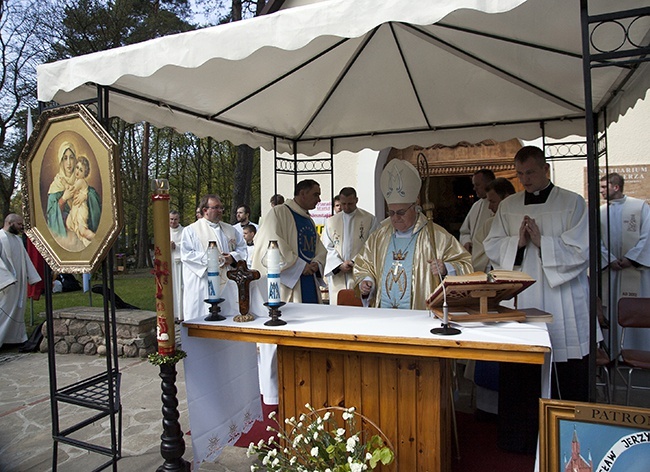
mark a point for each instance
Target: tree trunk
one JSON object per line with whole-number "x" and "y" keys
{"x": 241, "y": 189}
{"x": 143, "y": 235}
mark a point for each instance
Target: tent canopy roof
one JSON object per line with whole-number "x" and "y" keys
{"x": 365, "y": 74}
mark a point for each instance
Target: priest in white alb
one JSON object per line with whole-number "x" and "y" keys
{"x": 625, "y": 232}
{"x": 343, "y": 236}
{"x": 194, "y": 246}
{"x": 544, "y": 232}
{"x": 478, "y": 214}
{"x": 16, "y": 271}
{"x": 175, "y": 233}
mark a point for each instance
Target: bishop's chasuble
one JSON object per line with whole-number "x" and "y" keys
{"x": 387, "y": 264}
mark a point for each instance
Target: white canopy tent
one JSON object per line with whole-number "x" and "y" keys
{"x": 365, "y": 74}
{"x": 354, "y": 74}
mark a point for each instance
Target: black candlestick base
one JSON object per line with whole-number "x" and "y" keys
{"x": 172, "y": 446}
{"x": 215, "y": 310}
{"x": 275, "y": 313}
{"x": 445, "y": 330}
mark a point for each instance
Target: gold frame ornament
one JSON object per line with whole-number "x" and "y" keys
{"x": 610, "y": 436}
{"x": 71, "y": 191}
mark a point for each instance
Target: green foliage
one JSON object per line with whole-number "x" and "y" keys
{"x": 96, "y": 25}
{"x": 194, "y": 166}
{"x": 159, "y": 359}
{"x": 315, "y": 442}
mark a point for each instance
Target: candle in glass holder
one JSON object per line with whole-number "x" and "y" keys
{"x": 214, "y": 287}
{"x": 273, "y": 273}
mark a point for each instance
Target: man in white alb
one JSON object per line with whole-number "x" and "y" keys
{"x": 343, "y": 236}
{"x": 544, "y": 232}
{"x": 16, "y": 271}
{"x": 625, "y": 233}
{"x": 476, "y": 218}
{"x": 194, "y": 246}
{"x": 175, "y": 233}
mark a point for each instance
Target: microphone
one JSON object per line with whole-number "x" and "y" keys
{"x": 445, "y": 328}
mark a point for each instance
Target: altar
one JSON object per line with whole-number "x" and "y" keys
{"x": 385, "y": 363}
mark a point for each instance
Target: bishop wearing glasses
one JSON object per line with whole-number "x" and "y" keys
{"x": 404, "y": 260}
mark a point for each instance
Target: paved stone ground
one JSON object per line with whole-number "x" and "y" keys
{"x": 25, "y": 416}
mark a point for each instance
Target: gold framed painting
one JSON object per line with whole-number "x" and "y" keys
{"x": 593, "y": 437}
{"x": 71, "y": 194}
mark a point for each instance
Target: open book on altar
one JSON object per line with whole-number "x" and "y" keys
{"x": 476, "y": 296}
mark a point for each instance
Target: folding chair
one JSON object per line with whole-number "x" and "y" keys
{"x": 347, "y": 297}
{"x": 603, "y": 361}
{"x": 633, "y": 313}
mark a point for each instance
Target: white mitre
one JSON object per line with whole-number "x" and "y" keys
{"x": 400, "y": 182}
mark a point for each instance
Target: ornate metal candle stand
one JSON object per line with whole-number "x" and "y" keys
{"x": 275, "y": 313}
{"x": 215, "y": 310}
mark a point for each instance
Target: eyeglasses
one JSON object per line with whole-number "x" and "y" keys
{"x": 214, "y": 208}
{"x": 392, "y": 213}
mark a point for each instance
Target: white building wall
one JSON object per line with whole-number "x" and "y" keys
{"x": 350, "y": 170}
{"x": 628, "y": 142}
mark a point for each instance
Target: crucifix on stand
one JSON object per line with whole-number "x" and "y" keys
{"x": 243, "y": 276}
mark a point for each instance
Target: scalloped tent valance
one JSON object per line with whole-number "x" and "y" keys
{"x": 348, "y": 75}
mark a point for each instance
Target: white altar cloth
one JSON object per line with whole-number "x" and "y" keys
{"x": 209, "y": 362}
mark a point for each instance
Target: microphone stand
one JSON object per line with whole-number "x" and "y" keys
{"x": 445, "y": 328}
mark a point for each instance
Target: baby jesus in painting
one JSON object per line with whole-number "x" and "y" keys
{"x": 77, "y": 220}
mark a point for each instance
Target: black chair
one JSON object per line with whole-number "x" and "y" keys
{"x": 633, "y": 313}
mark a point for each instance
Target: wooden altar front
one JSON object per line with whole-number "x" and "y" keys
{"x": 383, "y": 362}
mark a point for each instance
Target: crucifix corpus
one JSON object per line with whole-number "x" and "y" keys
{"x": 243, "y": 276}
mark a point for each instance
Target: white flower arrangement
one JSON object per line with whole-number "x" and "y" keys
{"x": 315, "y": 443}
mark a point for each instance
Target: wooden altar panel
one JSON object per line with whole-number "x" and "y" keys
{"x": 407, "y": 397}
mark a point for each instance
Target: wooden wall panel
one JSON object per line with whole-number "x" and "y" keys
{"x": 302, "y": 376}
{"x": 352, "y": 380}
{"x": 407, "y": 397}
{"x": 388, "y": 403}
{"x": 319, "y": 379}
{"x": 335, "y": 380}
{"x": 406, "y": 413}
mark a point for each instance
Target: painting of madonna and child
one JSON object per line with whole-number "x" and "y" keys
{"x": 71, "y": 190}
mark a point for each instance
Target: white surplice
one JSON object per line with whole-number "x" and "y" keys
{"x": 629, "y": 236}
{"x": 474, "y": 221}
{"x": 344, "y": 236}
{"x": 16, "y": 271}
{"x": 175, "y": 235}
{"x": 559, "y": 266}
{"x": 194, "y": 245}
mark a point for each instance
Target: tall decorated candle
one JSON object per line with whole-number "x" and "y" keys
{"x": 273, "y": 271}
{"x": 162, "y": 268}
{"x": 214, "y": 287}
